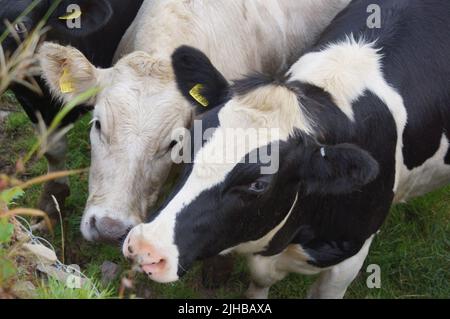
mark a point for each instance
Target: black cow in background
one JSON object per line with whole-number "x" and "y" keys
{"x": 102, "y": 25}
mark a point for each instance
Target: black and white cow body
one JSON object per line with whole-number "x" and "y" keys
{"x": 103, "y": 23}
{"x": 364, "y": 120}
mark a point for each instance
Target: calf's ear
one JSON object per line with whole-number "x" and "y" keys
{"x": 67, "y": 72}
{"x": 198, "y": 80}
{"x": 80, "y": 18}
{"x": 336, "y": 170}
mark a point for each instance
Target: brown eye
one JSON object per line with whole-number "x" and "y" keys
{"x": 258, "y": 187}
{"x": 20, "y": 28}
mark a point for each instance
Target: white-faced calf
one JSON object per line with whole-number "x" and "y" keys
{"x": 102, "y": 25}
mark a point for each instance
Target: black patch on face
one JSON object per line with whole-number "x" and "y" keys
{"x": 233, "y": 212}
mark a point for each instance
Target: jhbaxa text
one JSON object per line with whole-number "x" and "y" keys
{"x": 226, "y": 309}
{"x": 233, "y": 144}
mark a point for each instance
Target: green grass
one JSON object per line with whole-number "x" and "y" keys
{"x": 413, "y": 248}
{"x": 54, "y": 289}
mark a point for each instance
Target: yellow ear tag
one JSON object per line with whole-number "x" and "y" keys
{"x": 70, "y": 16}
{"x": 65, "y": 82}
{"x": 195, "y": 92}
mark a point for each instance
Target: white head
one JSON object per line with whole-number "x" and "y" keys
{"x": 134, "y": 116}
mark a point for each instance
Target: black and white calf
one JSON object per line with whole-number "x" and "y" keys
{"x": 102, "y": 25}
{"x": 363, "y": 122}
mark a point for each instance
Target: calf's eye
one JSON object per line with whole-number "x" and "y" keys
{"x": 258, "y": 187}
{"x": 20, "y": 28}
{"x": 98, "y": 125}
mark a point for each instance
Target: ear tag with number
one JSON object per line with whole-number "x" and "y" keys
{"x": 196, "y": 94}
{"x": 65, "y": 82}
{"x": 70, "y": 16}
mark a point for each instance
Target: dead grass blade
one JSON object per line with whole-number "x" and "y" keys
{"x": 49, "y": 177}
{"x": 28, "y": 212}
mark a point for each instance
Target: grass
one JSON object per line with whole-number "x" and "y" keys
{"x": 412, "y": 249}
{"x": 53, "y": 289}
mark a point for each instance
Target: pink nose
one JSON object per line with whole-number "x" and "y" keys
{"x": 145, "y": 255}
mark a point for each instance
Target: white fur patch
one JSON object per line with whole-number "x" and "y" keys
{"x": 346, "y": 70}
{"x": 342, "y": 69}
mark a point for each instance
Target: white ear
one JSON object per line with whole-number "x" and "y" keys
{"x": 67, "y": 71}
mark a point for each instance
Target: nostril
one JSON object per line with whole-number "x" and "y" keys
{"x": 154, "y": 267}
{"x": 130, "y": 249}
{"x": 159, "y": 262}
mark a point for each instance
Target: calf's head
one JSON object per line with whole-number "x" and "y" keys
{"x": 92, "y": 15}
{"x": 135, "y": 118}
{"x": 219, "y": 207}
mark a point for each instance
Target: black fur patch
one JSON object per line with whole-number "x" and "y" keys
{"x": 256, "y": 80}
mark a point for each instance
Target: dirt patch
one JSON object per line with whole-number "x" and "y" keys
{"x": 3, "y": 115}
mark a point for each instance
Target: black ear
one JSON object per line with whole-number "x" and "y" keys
{"x": 80, "y": 18}
{"x": 340, "y": 169}
{"x": 197, "y": 79}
